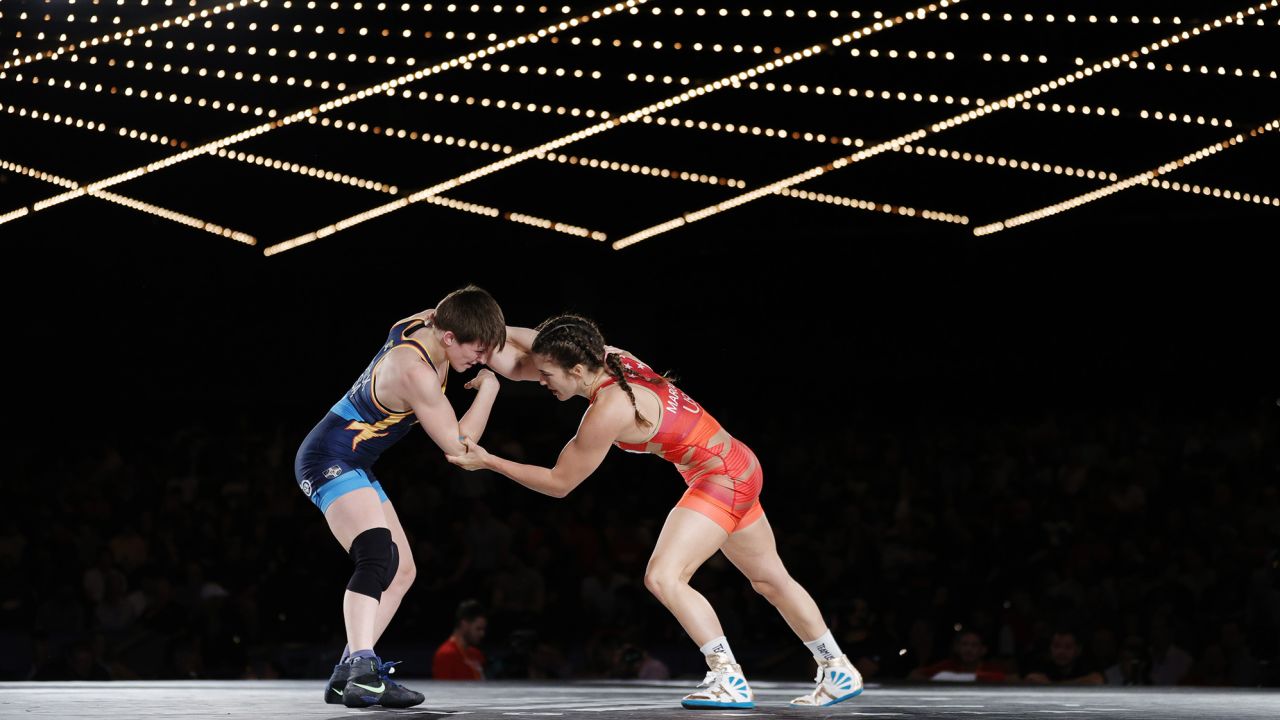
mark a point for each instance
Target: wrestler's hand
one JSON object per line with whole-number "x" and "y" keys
{"x": 473, "y": 459}
{"x": 430, "y": 317}
{"x": 484, "y": 376}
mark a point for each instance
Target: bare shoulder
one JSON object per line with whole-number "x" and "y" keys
{"x": 406, "y": 375}
{"x": 611, "y": 407}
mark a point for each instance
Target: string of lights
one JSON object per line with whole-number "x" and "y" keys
{"x": 1144, "y": 178}
{"x": 1006, "y": 162}
{"x": 1205, "y": 70}
{"x": 540, "y": 70}
{"x": 203, "y": 72}
{"x": 948, "y": 55}
{"x": 301, "y": 115}
{"x": 933, "y": 98}
{"x": 181, "y": 20}
{"x": 1068, "y": 18}
{"x": 128, "y": 202}
{"x": 295, "y": 53}
{"x": 517, "y": 105}
{"x": 405, "y": 7}
{"x": 144, "y": 94}
{"x": 744, "y": 129}
{"x": 874, "y": 207}
{"x": 615, "y": 122}
{"x": 401, "y": 133}
{"x": 647, "y": 170}
{"x": 72, "y": 121}
{"x": 979, "y": 112}
{"x": 933, "y": 55}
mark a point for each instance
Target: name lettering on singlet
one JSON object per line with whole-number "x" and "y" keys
{"x": 677, "y": 399}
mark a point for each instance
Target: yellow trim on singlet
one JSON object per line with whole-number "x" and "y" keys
{"x": 416, "y": 347}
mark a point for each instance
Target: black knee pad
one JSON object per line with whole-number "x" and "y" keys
{"x": 377, "y": 559}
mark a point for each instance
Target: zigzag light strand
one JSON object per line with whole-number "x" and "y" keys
{"x": 915, "y": 136}
{"x": 596, "y": 129}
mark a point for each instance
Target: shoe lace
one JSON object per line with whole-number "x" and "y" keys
{"x": 822, "y": 672}
{"x": 385, "y": 669}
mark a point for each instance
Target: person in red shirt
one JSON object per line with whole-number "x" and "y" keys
{"x": 459, "y": 658}
{"x": 966, "y": 664}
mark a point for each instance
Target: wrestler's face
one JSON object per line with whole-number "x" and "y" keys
{"x": 562, "y": 383}
{"x": 462, "y": 356}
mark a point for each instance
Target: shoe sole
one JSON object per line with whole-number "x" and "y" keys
{"x": 400, "y": 705}
{"x": 359, "y": 701}
{"x": 851, "y": 695}
{"x": 712, "y": 705}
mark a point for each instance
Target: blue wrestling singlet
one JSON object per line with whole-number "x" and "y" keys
{"x": 338, "y": 455}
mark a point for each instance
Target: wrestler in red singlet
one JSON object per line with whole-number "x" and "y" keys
{"x": 646, "y": 413}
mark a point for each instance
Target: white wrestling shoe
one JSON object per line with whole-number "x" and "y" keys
{"x": 723, "y": 687}
{"x": 837, "y": 681}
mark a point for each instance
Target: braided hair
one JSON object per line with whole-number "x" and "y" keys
{"x": 572, "y": 339}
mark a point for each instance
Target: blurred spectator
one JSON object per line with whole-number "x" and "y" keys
{"x": 1132, "y": 666}
{"x": 459, "y": 657}
{"x": 632, "y": 662}
{"x": 1169, "y": 663}
{"x": 967, "y": 663}
{"x": 1065, "y": 663}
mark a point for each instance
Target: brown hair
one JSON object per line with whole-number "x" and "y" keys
{"x": 472, "y": 314}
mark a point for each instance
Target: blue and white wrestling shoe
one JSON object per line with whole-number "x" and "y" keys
{"x": 723, "y": 687}
{"x": 837, "y": 681}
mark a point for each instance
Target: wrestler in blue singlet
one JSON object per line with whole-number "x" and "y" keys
{"x": 338, "y": 455}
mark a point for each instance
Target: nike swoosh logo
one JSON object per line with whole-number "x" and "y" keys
{"x": 380, "y": 688}
{"x": 336, "y": 690}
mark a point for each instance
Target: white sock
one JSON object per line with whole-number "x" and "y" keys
{"x": 718, "y": 645}
{"x": 825, "y": 647}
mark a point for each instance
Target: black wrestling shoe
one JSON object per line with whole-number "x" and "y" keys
{"x": 337, "y": 681}
{"x": 370, "y": 683}
{"x": 397, "y": 695}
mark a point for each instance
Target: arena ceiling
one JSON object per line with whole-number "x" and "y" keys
{"x": 283, "y": 123}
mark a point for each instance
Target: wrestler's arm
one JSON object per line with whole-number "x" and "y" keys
{"x": 600, "y": 427}
{"x": 419, "y": 385}
{"x": 514, "y": 361}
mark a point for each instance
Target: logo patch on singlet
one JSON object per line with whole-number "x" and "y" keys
{"x": 332, "y": 472}
{"x": 306, "y": 487}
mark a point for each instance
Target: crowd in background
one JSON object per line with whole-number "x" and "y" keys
{"x": 1127, "y": 546}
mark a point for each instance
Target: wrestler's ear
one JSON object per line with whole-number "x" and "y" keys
{"x": 578, "y": 371}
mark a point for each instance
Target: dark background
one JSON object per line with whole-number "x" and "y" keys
{"x": 1071, "y": 424}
